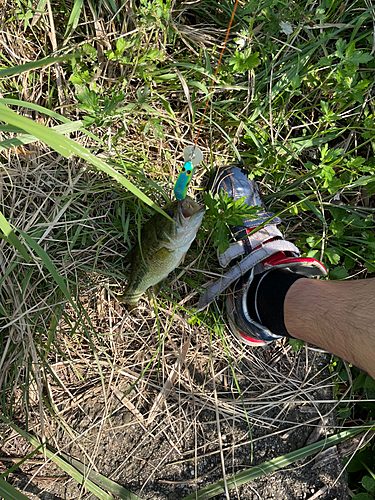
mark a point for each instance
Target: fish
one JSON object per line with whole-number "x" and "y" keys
{"x": 163, "y": 246}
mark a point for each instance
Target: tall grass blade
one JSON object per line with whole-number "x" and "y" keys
{"x": 8, "y": 232}
{"x": 73, "y": 18}
{"x": 9, "y": 492}
{"x": 100, "y": 480}
{"x": 47, "y": 112}
{"x": 91, "y": 480}
{"x": 47, "y": 61}
{"x": 39, "y": 11}
{"x": 35, "y": 107}
{"x": 23, "y": 139}
{"x": 272, "y": 465}
{"x": 67, "y": 147}
{"x": 49, "y": 265}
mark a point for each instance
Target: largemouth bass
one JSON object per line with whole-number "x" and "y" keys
{"x": 163, "y": 247}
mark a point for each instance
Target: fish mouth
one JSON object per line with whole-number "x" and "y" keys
{"x": 190, "y": 207}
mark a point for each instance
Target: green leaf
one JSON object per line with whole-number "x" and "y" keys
{"x": 168, "y": 107}
{"x": 121, "y": 45}
{"x": 348, "y": 262}
{"x": 252, "y": 61}
{"x": 338, "y": 273}
{"x": 300, "y": 143}
{"x": 242, "y": 62}
{"x": 312, "y": 241}
{"x": 370, "y": 267}
{"x": 340, "y": 47}
{"x": 221, "y": 238}
{"x": 358, "y": 58}
{"x": 359, "y": 382}
{"x": 296, "y": 344}
{"x": 337, "y": 228}
{"x": 350, "y": 49}
{"x": 35, "y": 107}
{"x": 344, "y": 412}
{"x": 222, "y": 211}
{"x": 296, "y": 82}
{"x": 89, "y": 98}
{"x": 333, "y": 255}
{"x": 313, "y": 254}
{"x": 361, "y": 460}
{"x": 200, "y": 85}
{"x": 9, "y": 128}
{"x": 369, "y": 383}
{"x": 363, "y": 496}
{"x": 314, "y": 209}
{"x": 368, "y": 483}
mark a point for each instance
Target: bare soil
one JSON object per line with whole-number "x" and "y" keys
{"x": 184, "y": 424}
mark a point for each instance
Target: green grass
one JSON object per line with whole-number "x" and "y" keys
{"x": 87, "y": 158}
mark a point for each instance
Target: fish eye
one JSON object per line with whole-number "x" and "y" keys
{"x": 188, "y": 172}
{"x": 183, "y": 169}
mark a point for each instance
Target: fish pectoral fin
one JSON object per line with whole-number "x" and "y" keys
{"x": 162, "y": 253}
{"x": 182, "y": 259}
{"x": 156, "y": 288}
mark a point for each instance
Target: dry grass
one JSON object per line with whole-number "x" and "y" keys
{"x": 162, "y": 399}
{"x": 94, "y": 399}
{"x": 105, "y": 373}
{"x": 105, "y": 367}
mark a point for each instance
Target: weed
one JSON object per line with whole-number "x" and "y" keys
{"x": 293, "y": 99}
{"x": 222, "y": 212}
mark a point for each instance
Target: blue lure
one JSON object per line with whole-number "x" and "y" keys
{"x": 182, "y": 183}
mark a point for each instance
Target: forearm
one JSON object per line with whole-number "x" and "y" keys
{"x": 338, "y": 316}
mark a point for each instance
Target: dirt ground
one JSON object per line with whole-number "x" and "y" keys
{"x": 184, "y": 423}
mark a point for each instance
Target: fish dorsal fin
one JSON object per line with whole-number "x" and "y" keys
{"x": 156, "y": 288}
{"x": 131, "y": 253}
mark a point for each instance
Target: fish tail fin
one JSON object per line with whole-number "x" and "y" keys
{"x": 130, "y": 299}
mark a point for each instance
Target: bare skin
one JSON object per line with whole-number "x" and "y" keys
{"x": 338, "y": 316}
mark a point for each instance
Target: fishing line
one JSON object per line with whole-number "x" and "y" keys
{"x": 217, "y": 69}
{"x": 193, "y": 155}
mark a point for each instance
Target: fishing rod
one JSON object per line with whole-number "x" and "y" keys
{"x": 192, "y": 154}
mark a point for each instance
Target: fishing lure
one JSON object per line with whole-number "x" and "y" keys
{"x": 183, "y": 180}
{"x": 192, "y": 156}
